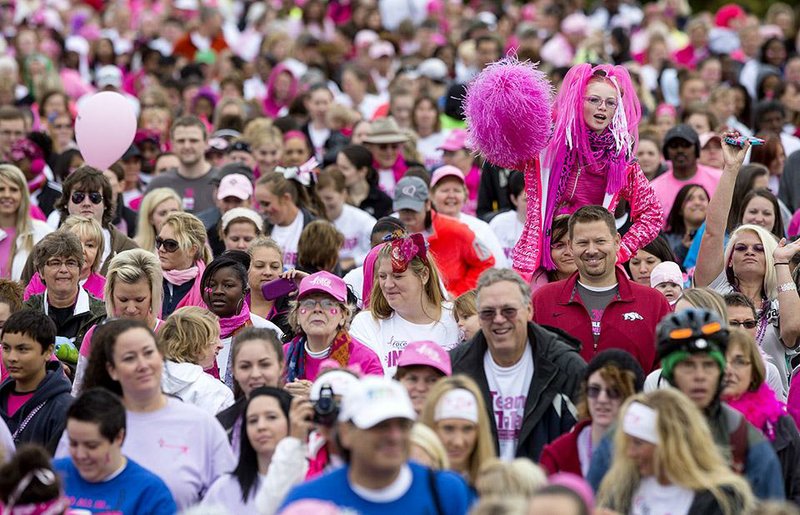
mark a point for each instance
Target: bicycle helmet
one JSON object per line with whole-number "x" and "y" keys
{"x": 689, "y": 332}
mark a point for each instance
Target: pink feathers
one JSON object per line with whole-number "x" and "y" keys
{"x": 508, "y": 111}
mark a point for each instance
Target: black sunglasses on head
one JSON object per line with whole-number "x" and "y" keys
{"x": 94, "y": 197}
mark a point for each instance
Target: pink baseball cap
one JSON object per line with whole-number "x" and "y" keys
{"x": 426, "y": 353}
{"x": 455, "y": 141}
{"x": 235, "y": 185}
{"x": 706, "y": 137}
{"x": 380, "y": 49}
{"x": 323, "y": 282}
{"x": 446, "y": 171}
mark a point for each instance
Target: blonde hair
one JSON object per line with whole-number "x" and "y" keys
{"x": 465, "y": 305}
{"x": 132, "y": 266}
{"x": 770, "y": 284}
{"x": 515, "y": 505}
{"x": 24, "y": 223}
{"x": 86, "y": 227}
{"x": 378, "y": 304}
{"x": 686, "y": 456}
{"x": 425, "y": 438}
{"x": 189, "y": 230}
{"x": 187, "y": 333}
{"x": 520, "y": 477}
{"x": 269, "y": 135}
{"x": 264, "y": 242}
{"x": 145, "y": 232}
{"x": 484, "y": 444}
{"x": 706, "y": 298}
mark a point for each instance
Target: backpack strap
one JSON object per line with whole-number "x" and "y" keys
{"x": 738, "y": 442}
{"x": 435, "y": 492}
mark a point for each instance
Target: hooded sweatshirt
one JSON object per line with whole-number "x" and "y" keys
{"x": 189, "y": 383}
{"x": 43, "y": 417}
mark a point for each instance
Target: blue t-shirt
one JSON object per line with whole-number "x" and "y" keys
{"x": 454, "y": 496}
{"x": 134, "y": 490}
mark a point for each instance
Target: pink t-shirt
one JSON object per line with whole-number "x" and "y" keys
{"x": 666, "y": 186}
{"x": 360, "y": 355}
{"x": 16, "y": 401}
{"x": 6, "y": 244}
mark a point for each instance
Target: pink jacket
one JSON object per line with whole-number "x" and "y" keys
{"x": 646, "y": 213}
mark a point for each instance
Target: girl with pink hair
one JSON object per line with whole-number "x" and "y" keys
{"x": 591, "y": 157}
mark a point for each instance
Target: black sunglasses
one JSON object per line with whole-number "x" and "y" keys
{"x": 94, "y": 197}
{"x": 169, "y": 244}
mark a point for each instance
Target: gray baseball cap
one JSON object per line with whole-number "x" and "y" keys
{"x": 410, "y": 193}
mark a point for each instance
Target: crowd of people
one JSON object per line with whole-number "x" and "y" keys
{"x": 306, "y": 287}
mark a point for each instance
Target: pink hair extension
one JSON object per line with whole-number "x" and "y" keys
{"x": 508, "y": 112}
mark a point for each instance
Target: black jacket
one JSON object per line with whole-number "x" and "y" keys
{"x": 377, "y": 203}
{"x": 335, "y": 142}
{"x": 52, "y": 398}
{"x": 230, "y": 415}
{"x": 549, "y": 409}
{"x": 787, "y": 447}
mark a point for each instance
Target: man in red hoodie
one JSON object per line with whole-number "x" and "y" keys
{"x": 598, "y": 304}
{"x": 459, "y": 255}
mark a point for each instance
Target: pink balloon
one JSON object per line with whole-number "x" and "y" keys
{"x": 105, "y": 128}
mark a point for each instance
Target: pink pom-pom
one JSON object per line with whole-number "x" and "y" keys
{"x": 509, "y": 112}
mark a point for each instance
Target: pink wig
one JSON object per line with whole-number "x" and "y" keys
{"x": 571, "y": 134}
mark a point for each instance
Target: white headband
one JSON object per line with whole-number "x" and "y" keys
{"x": 460, "y": 404}
{"x": 640, "y": 422}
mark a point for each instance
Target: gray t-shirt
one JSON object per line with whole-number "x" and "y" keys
{"x": 596, "y": 302}
{"x": 196, "y": 194}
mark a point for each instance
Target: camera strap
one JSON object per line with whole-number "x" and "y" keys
{"x": 435, "y": 491}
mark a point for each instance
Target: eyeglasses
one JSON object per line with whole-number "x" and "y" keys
{"x": 596, "y": 101}
{"x": 57, "y": 263}
{"x": 94, "y": 197}
{"x": 747, "y": 324}
{"x": 168, "y": 244}
{"x": 593, "y": 392}
{"x": 487, "y": 315}
{"x": 325, "y": 304}
{"x": 684, "y": 333}
{"x": 739, "y": 363}
{"x": 743, "y": 247}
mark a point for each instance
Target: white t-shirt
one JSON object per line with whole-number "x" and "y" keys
{"x": 508, "y": 228}
{"x": 318, "y": 139}
{"x": 428, "y": 148}
{"x": 356, "y": 227}
{"x": 386, "y": 181}
{"x": 287, "y": 237}
{"x": 389, "y": 337}
{"x": 485, "y": 235}
{"x": 509, "y": 388}
{"x": 355, "y": 280}
{"x": 652, "y": 498}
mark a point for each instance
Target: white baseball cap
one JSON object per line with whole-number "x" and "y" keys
{"x": 376, "y": 399}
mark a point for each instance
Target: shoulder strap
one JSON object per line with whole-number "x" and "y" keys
{"x": 26, "y": 421}
{"x": 435, "y": 491}
{"x": 738, "y": 442}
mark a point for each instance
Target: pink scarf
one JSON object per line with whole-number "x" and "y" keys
{"x": 228, "y": 326}
{"x": 179, "y": 277}
{"x": 761, "y": 409}
{"x": 193, "y": 297}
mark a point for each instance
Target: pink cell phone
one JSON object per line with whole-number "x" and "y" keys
{"x": 278, "y": 288}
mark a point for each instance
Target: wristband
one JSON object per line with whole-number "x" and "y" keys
{"x": 776, "y": 264}
{"x": 787, "y": 287}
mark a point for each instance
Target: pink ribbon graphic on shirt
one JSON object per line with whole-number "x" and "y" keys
{"x": 164, "y": 445}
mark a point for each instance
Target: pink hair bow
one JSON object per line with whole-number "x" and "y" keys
{"x": 303, "y": 174}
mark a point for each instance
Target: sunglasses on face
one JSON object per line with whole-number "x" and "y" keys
{"x": 487, "y": 315}
{"x": 593, "y": 392}
{"x": 743, "y": 247}
{"x": 388, "y": 146}
{"x": 747, "y": 324}
{"x": 94, "y": 197}
{"x": 169, "y": 245}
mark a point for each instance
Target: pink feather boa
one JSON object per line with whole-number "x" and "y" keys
{"x": 761, "y": 408}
